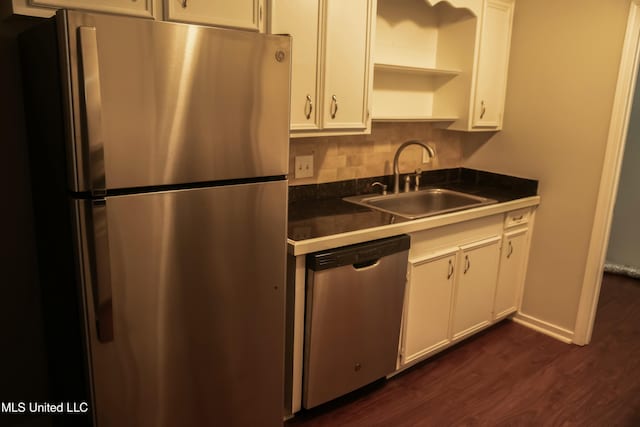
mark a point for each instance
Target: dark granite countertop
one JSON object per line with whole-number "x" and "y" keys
{"x": 317, "y": 210}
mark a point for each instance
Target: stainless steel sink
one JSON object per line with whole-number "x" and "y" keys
{"x": 419, "y": 204}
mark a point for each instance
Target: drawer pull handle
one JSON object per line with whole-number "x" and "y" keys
{"x": 518, "y": 218}
{"x": 450, "y": 273}
{"x": 467, "y": 264}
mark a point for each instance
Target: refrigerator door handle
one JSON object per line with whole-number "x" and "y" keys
{"x": 91, "y": 96}
{"x": 101, "y": 271}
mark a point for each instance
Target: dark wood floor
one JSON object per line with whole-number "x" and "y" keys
{"x": 513, "y": 376}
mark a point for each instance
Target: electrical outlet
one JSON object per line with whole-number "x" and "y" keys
{"x": 304, "y": 166}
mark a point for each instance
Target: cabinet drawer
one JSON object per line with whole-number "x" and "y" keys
{"x": 513, "y": 218}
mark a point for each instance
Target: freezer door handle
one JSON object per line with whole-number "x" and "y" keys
{"x": 101, "y": 271}
{"x": 92, "y": 99}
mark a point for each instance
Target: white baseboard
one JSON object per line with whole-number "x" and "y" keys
{"x": 561, "y": 334}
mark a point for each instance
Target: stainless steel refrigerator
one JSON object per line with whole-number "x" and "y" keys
{"x": 159, "y": 160}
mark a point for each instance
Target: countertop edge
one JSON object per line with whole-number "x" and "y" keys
{"x": 303, "y": 247}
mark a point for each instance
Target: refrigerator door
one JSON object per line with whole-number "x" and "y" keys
{"x": 187, "y": 326}
{"x": 156, "y": 103}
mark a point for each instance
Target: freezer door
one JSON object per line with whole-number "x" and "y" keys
{"x": 155, "y": 103}
{"x": 187, "y": 327}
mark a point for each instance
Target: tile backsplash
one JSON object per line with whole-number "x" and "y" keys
{"x": 339, "y": 158}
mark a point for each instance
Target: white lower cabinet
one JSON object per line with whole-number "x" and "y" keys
{"x": 461, "y": 278}
{"x": 513, "y": 260}
{"x": 450, "y": 285}
{"x": 428, "y": 304}
{"x": 475, "y": 287}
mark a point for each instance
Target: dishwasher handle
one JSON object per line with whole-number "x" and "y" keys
{"x": 360, "y": 255}
{"x": 366, "y": 264}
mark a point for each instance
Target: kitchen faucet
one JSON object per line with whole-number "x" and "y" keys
{"x": 396, "y": 169}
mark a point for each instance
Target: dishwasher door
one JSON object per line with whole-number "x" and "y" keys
{"x": 353, "y": 315}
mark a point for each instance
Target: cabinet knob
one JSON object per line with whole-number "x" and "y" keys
{"x": 308, "y": 107}
{"x": 334, "y": 106}
{"x": 184, "y": 4}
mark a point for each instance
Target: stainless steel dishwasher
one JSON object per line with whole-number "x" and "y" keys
{"x": 353, "y": 314}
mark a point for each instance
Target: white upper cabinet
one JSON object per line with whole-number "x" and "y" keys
{"x": 423, "y": 59}
{"x": 442, "y": 61}
{"x": 330, "y": 63}
{"x": 346, "y": 64}
{"x": 301, "y": 19}
{"x": 47, "y": 8}
{"x": 245, "y": 14}
{"x": 493, "y": 62}
{"x": 242, "y": 14}
{"x": 23, "y": 7}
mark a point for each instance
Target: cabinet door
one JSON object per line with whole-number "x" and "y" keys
{"x": 23, "y": 7}
{"x": 493, "y": 62}
{"x": 142, "y": 8}
{"x": 475, "y": 286}
{"x": 300, "y": 19}
{"x": 245, "y": 14}
{"x": 428, "y": 305}
{"x": 511, "y": 275}
{"x": 346, "y": 80}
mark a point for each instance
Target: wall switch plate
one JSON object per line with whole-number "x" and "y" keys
{"x": 425, "y": 155}
{"x": 304, "y": 166}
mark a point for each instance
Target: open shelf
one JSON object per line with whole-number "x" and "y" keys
{"x": 410, "y": 96}
{"x": 418, "y": 70}
{"x": 414, "y": 119}
{"x": 424, "y": 55}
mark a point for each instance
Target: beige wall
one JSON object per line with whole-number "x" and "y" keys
{"x": 562, "y": 75}
{"x": 339, "y": 158}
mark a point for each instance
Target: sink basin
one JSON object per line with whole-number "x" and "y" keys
{"x": 420, "y": 204}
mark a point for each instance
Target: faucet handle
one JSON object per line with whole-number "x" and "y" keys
{"x": 417, "y": 181}
{"x": 383, "y": 186}
{"x": 407, "y": 182}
